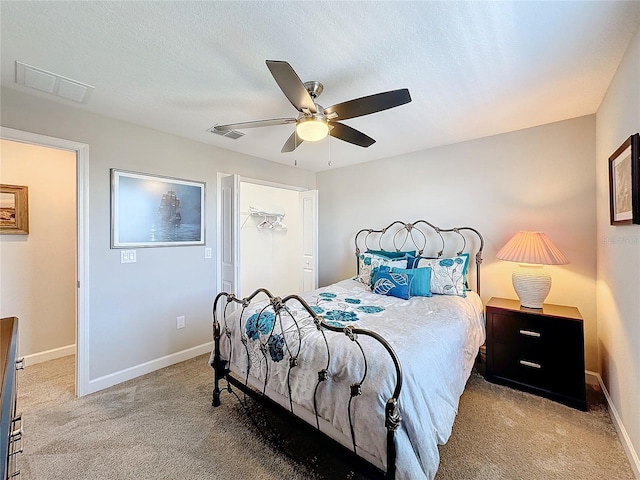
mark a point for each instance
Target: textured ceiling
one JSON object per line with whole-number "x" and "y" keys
{"x": 473, "y": 68}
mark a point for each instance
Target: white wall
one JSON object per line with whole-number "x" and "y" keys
{"x": 618, "y": 252}
{"x": 133, "y": 307}
{"x": 269, "y": 258}
{"x": 541, "y": 178}
{"x": 37, "y": 271}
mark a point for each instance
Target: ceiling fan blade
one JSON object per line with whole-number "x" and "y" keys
{"x": 291, "y": 85}
{"x": 370, "y": 104}
{"x": 351, "y": 135}
{"x": 257, "y": 123}
{"x": 292, "y": 143}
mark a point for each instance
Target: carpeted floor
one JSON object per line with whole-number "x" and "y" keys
{"x": 162, "y": 426}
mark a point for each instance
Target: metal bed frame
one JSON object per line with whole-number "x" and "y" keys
{"x": 395, "y": 237}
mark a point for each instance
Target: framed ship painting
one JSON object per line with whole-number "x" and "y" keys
{"x": 624, "y": 183}
{"x": 14, "y": 210}
{"x": 155, "y": 211}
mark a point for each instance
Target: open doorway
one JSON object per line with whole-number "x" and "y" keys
{"x": 267, "y": 237}
{"x": 44, "y": 273}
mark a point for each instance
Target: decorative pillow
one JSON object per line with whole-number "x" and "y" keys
{"x": 409, "y": 256}
{"x": 393, "y": 284}
{"x": 370, "y": 263}
{"x": 421, "y": 285}
{"x": 448, "y": 275}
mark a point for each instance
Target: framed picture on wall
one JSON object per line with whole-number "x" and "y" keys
{"x": 155, "y": 211}
{"x": 624, "y": 183}
{"x": 14, "y": 210}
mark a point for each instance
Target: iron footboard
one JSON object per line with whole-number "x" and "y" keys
{"x": 290, "y": 350}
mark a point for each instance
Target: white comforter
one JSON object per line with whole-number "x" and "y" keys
{"x": 435, "y": 338}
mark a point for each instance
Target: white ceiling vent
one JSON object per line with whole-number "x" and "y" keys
{"x": 232, "y": 134}
{"x": 48, "y": 82}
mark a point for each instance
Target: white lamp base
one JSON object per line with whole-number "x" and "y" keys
{"x": 532, "y": 284}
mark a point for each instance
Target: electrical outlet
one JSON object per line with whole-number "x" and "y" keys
{"x": 180, "y": 322}
{"x": 207, "y": 252}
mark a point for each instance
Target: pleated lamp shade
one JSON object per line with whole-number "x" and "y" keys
{"x": 531, "y": 250}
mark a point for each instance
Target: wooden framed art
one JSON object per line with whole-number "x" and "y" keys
{"x": 624, "y": 183}
{"x": 155, "y": 211}
{"x": 14, "y": 210}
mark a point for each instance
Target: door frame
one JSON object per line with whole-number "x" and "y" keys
{"x": 241, "y": 178}
{"x": 82, "y": 242}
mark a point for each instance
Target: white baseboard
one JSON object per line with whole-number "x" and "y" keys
{"x": 49, "y": 355}
{"x": 107, "y": 381}
{"x": 591, "y": 378}
{"x": 632, "y": 455}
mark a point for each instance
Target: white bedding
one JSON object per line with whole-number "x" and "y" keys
{"x": 436, "y": 339}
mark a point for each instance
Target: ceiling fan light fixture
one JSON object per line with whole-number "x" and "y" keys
{"x": 312, "y": 129}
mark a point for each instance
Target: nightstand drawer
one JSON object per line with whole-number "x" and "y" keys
{"x": 527, "y": 366}
{"x": 524, "y": 329}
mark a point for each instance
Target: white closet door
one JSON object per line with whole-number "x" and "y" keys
{"x": 230, "y": 238}
{"x": 309, "y": 213}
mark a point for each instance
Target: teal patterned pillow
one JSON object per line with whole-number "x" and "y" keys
{"x": 421, "y": 285}
{"x": 369, "y": 264}
{"x": 448, "y": 275}
{"x": 393, "y": 284}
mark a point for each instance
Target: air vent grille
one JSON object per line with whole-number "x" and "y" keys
{"x": 232, "y": 134}
{"x": 52, "y": 83}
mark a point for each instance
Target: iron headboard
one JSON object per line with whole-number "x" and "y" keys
{"x": 427, "y": 239}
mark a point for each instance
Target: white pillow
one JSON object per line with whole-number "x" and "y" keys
{"x": 448, "y": 275}
{"x": 369, "y": 261}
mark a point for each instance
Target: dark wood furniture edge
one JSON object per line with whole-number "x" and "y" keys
{"x": 566, "y": 313}
{"x": 8, "y": 351}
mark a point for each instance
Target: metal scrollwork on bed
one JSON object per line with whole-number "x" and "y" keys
{"x": 286, "y": 349}
{"x": 426, "y": 238}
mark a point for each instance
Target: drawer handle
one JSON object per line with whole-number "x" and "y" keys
{"x": 530, "y": 364}
{"x": 529, "y": 333}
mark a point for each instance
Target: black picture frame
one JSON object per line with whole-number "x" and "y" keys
{"x": 624, "y": 183}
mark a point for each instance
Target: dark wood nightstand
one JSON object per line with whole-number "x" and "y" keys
{"x": 540, "y": 351}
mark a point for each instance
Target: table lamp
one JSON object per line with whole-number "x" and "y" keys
{"x": 532, "y": 250}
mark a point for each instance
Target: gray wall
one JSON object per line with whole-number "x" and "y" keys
{"x": 618, "y": 252}
{"x": 540, "y": 178}
{"x": 133, "y": 306}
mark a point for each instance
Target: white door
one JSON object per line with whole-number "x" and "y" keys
{"x": 229, "y": 235}
{"x": 309, "y": 213}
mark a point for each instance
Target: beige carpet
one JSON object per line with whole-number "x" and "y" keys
{"x": 162, "y": 426}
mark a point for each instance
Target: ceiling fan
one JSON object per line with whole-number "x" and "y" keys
{"x": 314, "y": 121}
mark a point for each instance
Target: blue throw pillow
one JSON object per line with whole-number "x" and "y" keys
{"x": 421, "y": 285}
{"x": 393, "y": 284}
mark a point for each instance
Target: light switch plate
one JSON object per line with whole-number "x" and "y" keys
{"x": 127, "y": 256}
{"x": 207, "y": 252}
